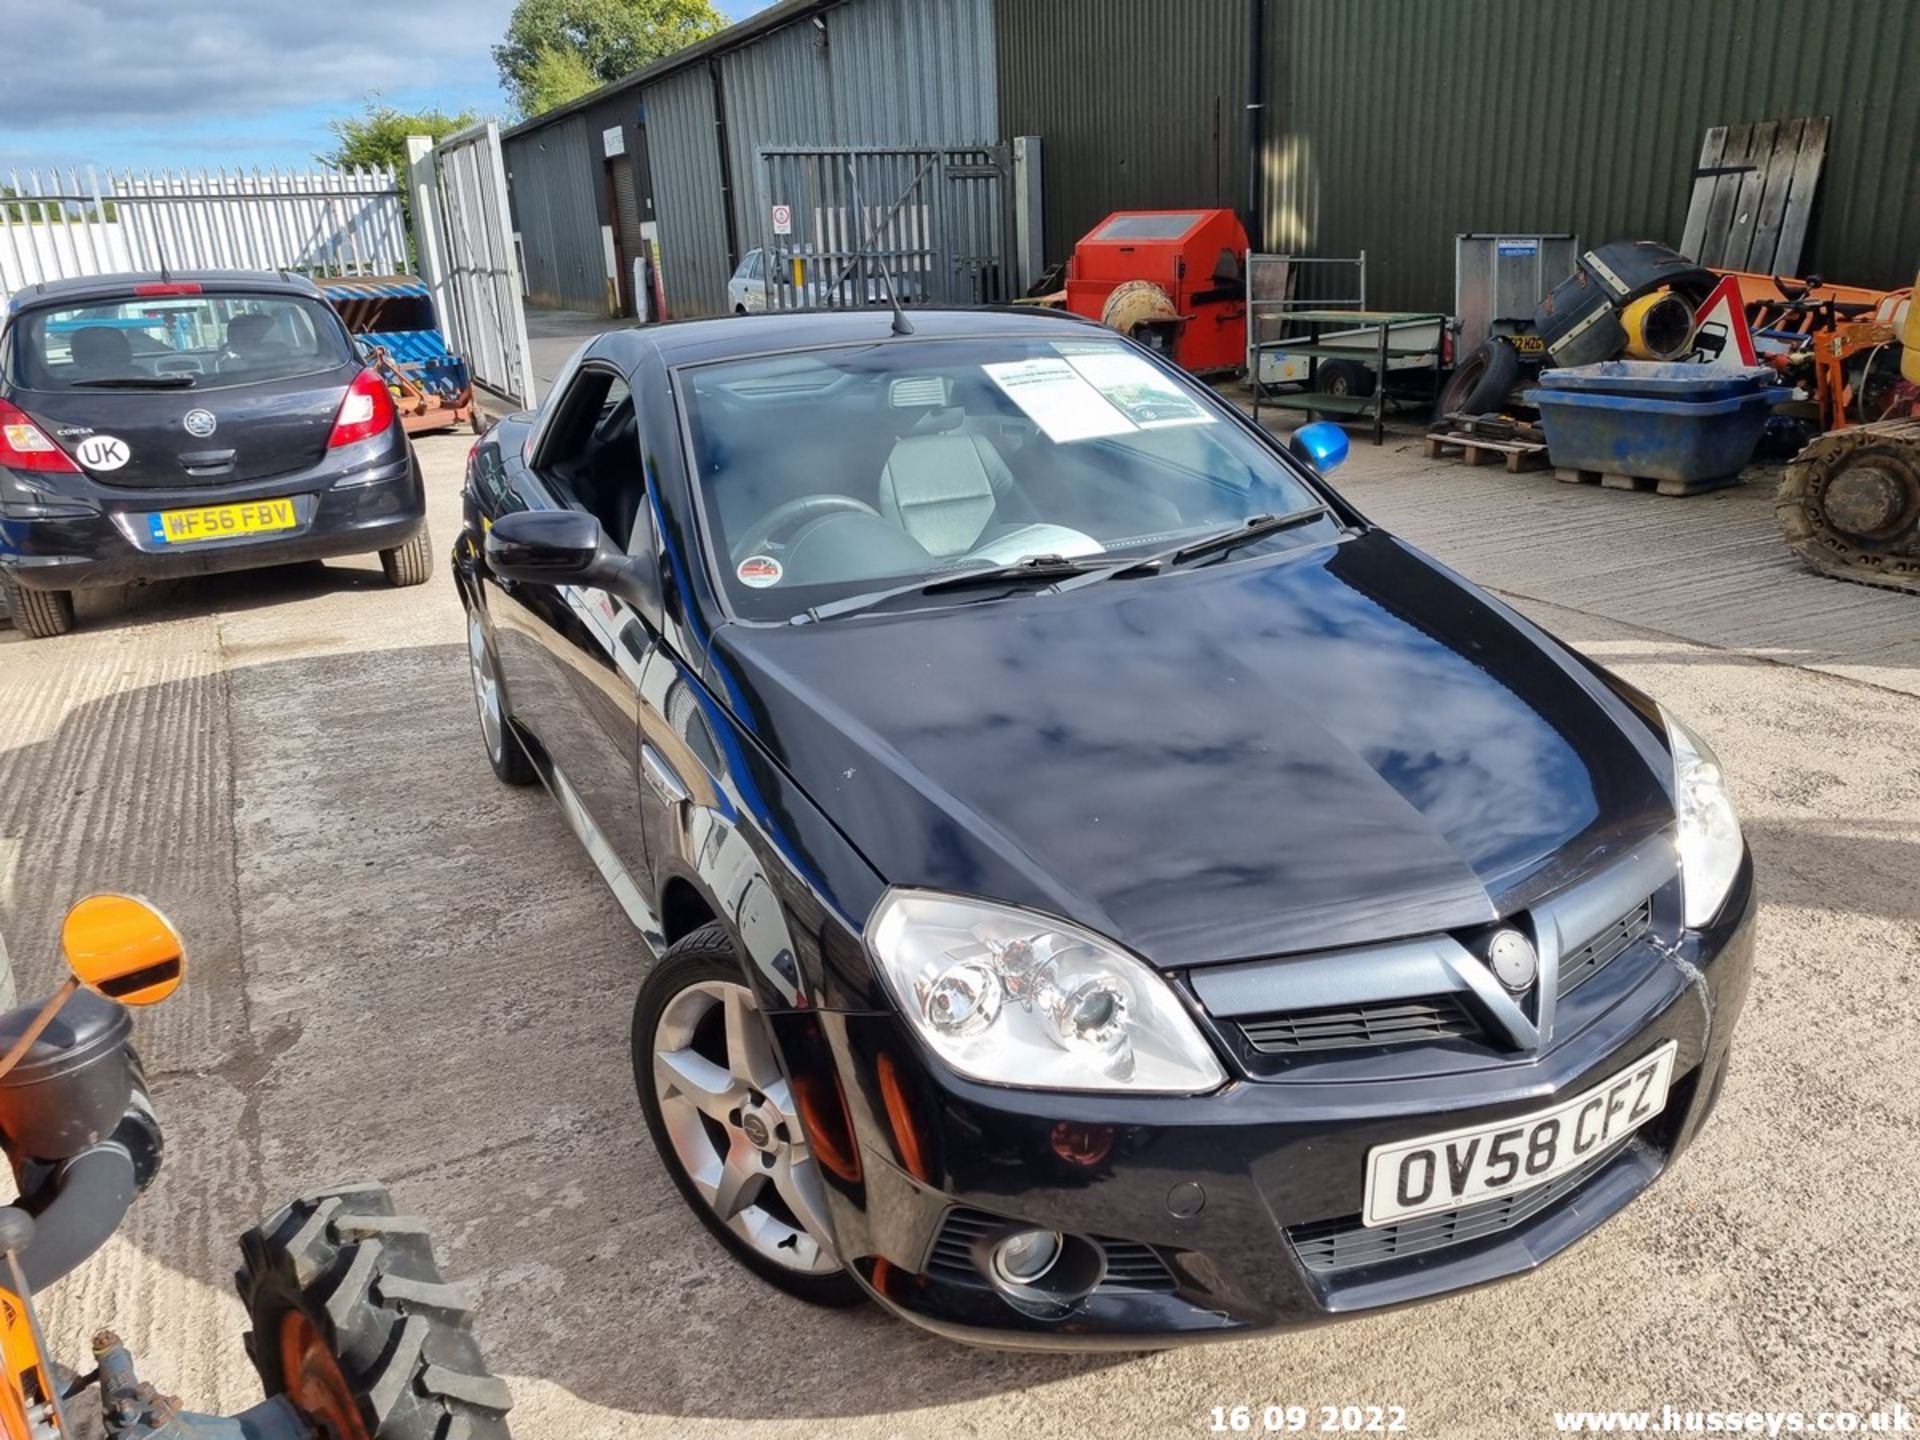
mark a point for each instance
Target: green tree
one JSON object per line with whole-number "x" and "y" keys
{"x": 611, "y": 38}
{"x": 556, "y": 76}
{"x": 377, "y": 139}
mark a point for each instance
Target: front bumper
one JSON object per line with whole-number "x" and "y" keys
{"x": 1213, "y": 1210}
{"x": 108, "y": 540}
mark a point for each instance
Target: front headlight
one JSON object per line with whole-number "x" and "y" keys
{"x": 1015, "y": 998}
{"x": 1710, "y": 844}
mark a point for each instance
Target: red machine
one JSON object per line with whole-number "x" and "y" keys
{"x": 1171, "y": 279}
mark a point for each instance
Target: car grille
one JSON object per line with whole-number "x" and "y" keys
{"x": 1579, "y": 966}
{"x": 1130, "y": 1266}
{"x": 1328, "y": 1247}
{"x": 1347, "y": 1027}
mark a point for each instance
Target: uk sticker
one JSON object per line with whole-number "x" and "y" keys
{"x": 103, "y": 452}
{"x": 759, "y": 571}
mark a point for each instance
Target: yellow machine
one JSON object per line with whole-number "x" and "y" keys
{"x": 1850, "y": 500}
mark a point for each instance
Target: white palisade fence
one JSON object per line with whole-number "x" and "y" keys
{"x": 56, "y": 224}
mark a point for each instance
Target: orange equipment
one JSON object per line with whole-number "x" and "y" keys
{"x": 1171, "y": 279}
{"x": 1850, "y": 500}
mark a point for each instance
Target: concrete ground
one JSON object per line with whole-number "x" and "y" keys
{"x": 402, "y": 969}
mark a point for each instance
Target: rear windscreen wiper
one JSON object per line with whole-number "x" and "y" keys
{"x": 1034, "y": 567}
{"x": 135, "y": 382}
{"x": 1252, "y": 528}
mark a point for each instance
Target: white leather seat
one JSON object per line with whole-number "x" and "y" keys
{"x": 944, "y": 490}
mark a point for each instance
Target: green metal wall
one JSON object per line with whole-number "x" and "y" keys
{"x": 1141, "y": 104}
{"x": 1396, "y": 124}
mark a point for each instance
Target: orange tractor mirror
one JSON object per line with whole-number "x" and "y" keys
{"x": 124, "y": 949}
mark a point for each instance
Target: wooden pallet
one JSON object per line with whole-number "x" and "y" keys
{"x": 1519, "y": 455}
{"x": 1753, "y": 195}
{"x": 1642, "y": 482}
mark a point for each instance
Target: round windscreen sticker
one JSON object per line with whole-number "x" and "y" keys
{"x": 103, "y": 452}
{"x": 759, "y": 571}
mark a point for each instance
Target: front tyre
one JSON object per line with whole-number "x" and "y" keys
{"x": 354, "y": 1324}
{"x": 722, "y": 1113}
{"x": 411, "y": 563}
{"x": 38, "y": 614}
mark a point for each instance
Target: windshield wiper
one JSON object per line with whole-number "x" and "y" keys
{"x": 1034, "y": 567}
{"x": 1252, "y": 528}
{"x": 135, "y": 382}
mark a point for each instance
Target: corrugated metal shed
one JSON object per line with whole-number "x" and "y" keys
{"x": 867, "y": 72}
{"x": 1141, "y": 104}
{"x": 551, "y": 173}
{"x": 684, "y": 155}
{"x": 778, "y": 91}
{"x": 1405, "y": 124}
{"x": 913, "y": 72}
{"x": 802, "y": 72}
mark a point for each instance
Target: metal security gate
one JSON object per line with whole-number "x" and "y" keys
{"x": 936, "y": 217}
{"x": 459, "y": 192}
{"x": 57, "y": 225}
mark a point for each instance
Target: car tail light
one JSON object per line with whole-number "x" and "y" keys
{"x": 367, "y": 411}
{"x": 169, "y": 287}
{"x": 25, "y": 446}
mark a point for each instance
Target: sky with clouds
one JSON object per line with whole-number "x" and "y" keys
{"x": 236, "y": 82}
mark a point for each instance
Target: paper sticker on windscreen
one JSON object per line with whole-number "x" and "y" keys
{"x": 1137, "y": 390}
{"x": 1059, "y": 399}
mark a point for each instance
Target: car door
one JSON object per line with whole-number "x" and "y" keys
{"x": 572, "y": 655}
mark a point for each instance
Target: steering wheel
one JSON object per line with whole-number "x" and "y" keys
{"x": 783, "y": 517}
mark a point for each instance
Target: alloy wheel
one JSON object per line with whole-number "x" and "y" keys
{"x": 729, "y": 1113}
{"x": 486, "y": 687}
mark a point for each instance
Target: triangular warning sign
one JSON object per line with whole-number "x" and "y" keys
{"x": 1720, "y": 333}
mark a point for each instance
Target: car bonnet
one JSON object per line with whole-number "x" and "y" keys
{"x": 1321, "y": 748}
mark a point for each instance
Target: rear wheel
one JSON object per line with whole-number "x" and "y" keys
{"x": 411, "y": 563}
{"x": 38, "y": 614}
{"x": 724, "y": 1120}
{"x": 504, "y": 751}
{"x": 1343, "y": 377}
{"x": 354, "y": 1324}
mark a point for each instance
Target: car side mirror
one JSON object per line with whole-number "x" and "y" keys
{"x": 1323, "y": 445}
{"x": 568, "y": 547}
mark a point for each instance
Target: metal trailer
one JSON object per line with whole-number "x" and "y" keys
{"x": 1498, "y": 280}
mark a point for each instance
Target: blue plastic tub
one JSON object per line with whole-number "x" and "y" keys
{"x": 1657, "y": 379}
{"x": 1679, "y": 440}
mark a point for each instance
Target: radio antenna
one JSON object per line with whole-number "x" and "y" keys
{"x": 901, "y": 325}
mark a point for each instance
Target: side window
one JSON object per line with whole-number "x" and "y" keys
{"x": 592, "y": 459}
{"x": 756, "y": 264}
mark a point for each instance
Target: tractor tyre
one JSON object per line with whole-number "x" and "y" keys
{"x": 1849, "y": 504}
{"x": 38, "y": 614}
{"x": 354, "y": 1324}
{"x": 411, "y": 563}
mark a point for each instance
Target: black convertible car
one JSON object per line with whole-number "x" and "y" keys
{"x": 1101, "y": 890}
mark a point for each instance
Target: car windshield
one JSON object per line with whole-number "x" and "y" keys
{"x": 831, "y": 473}
{"x": 197, "y": 341}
